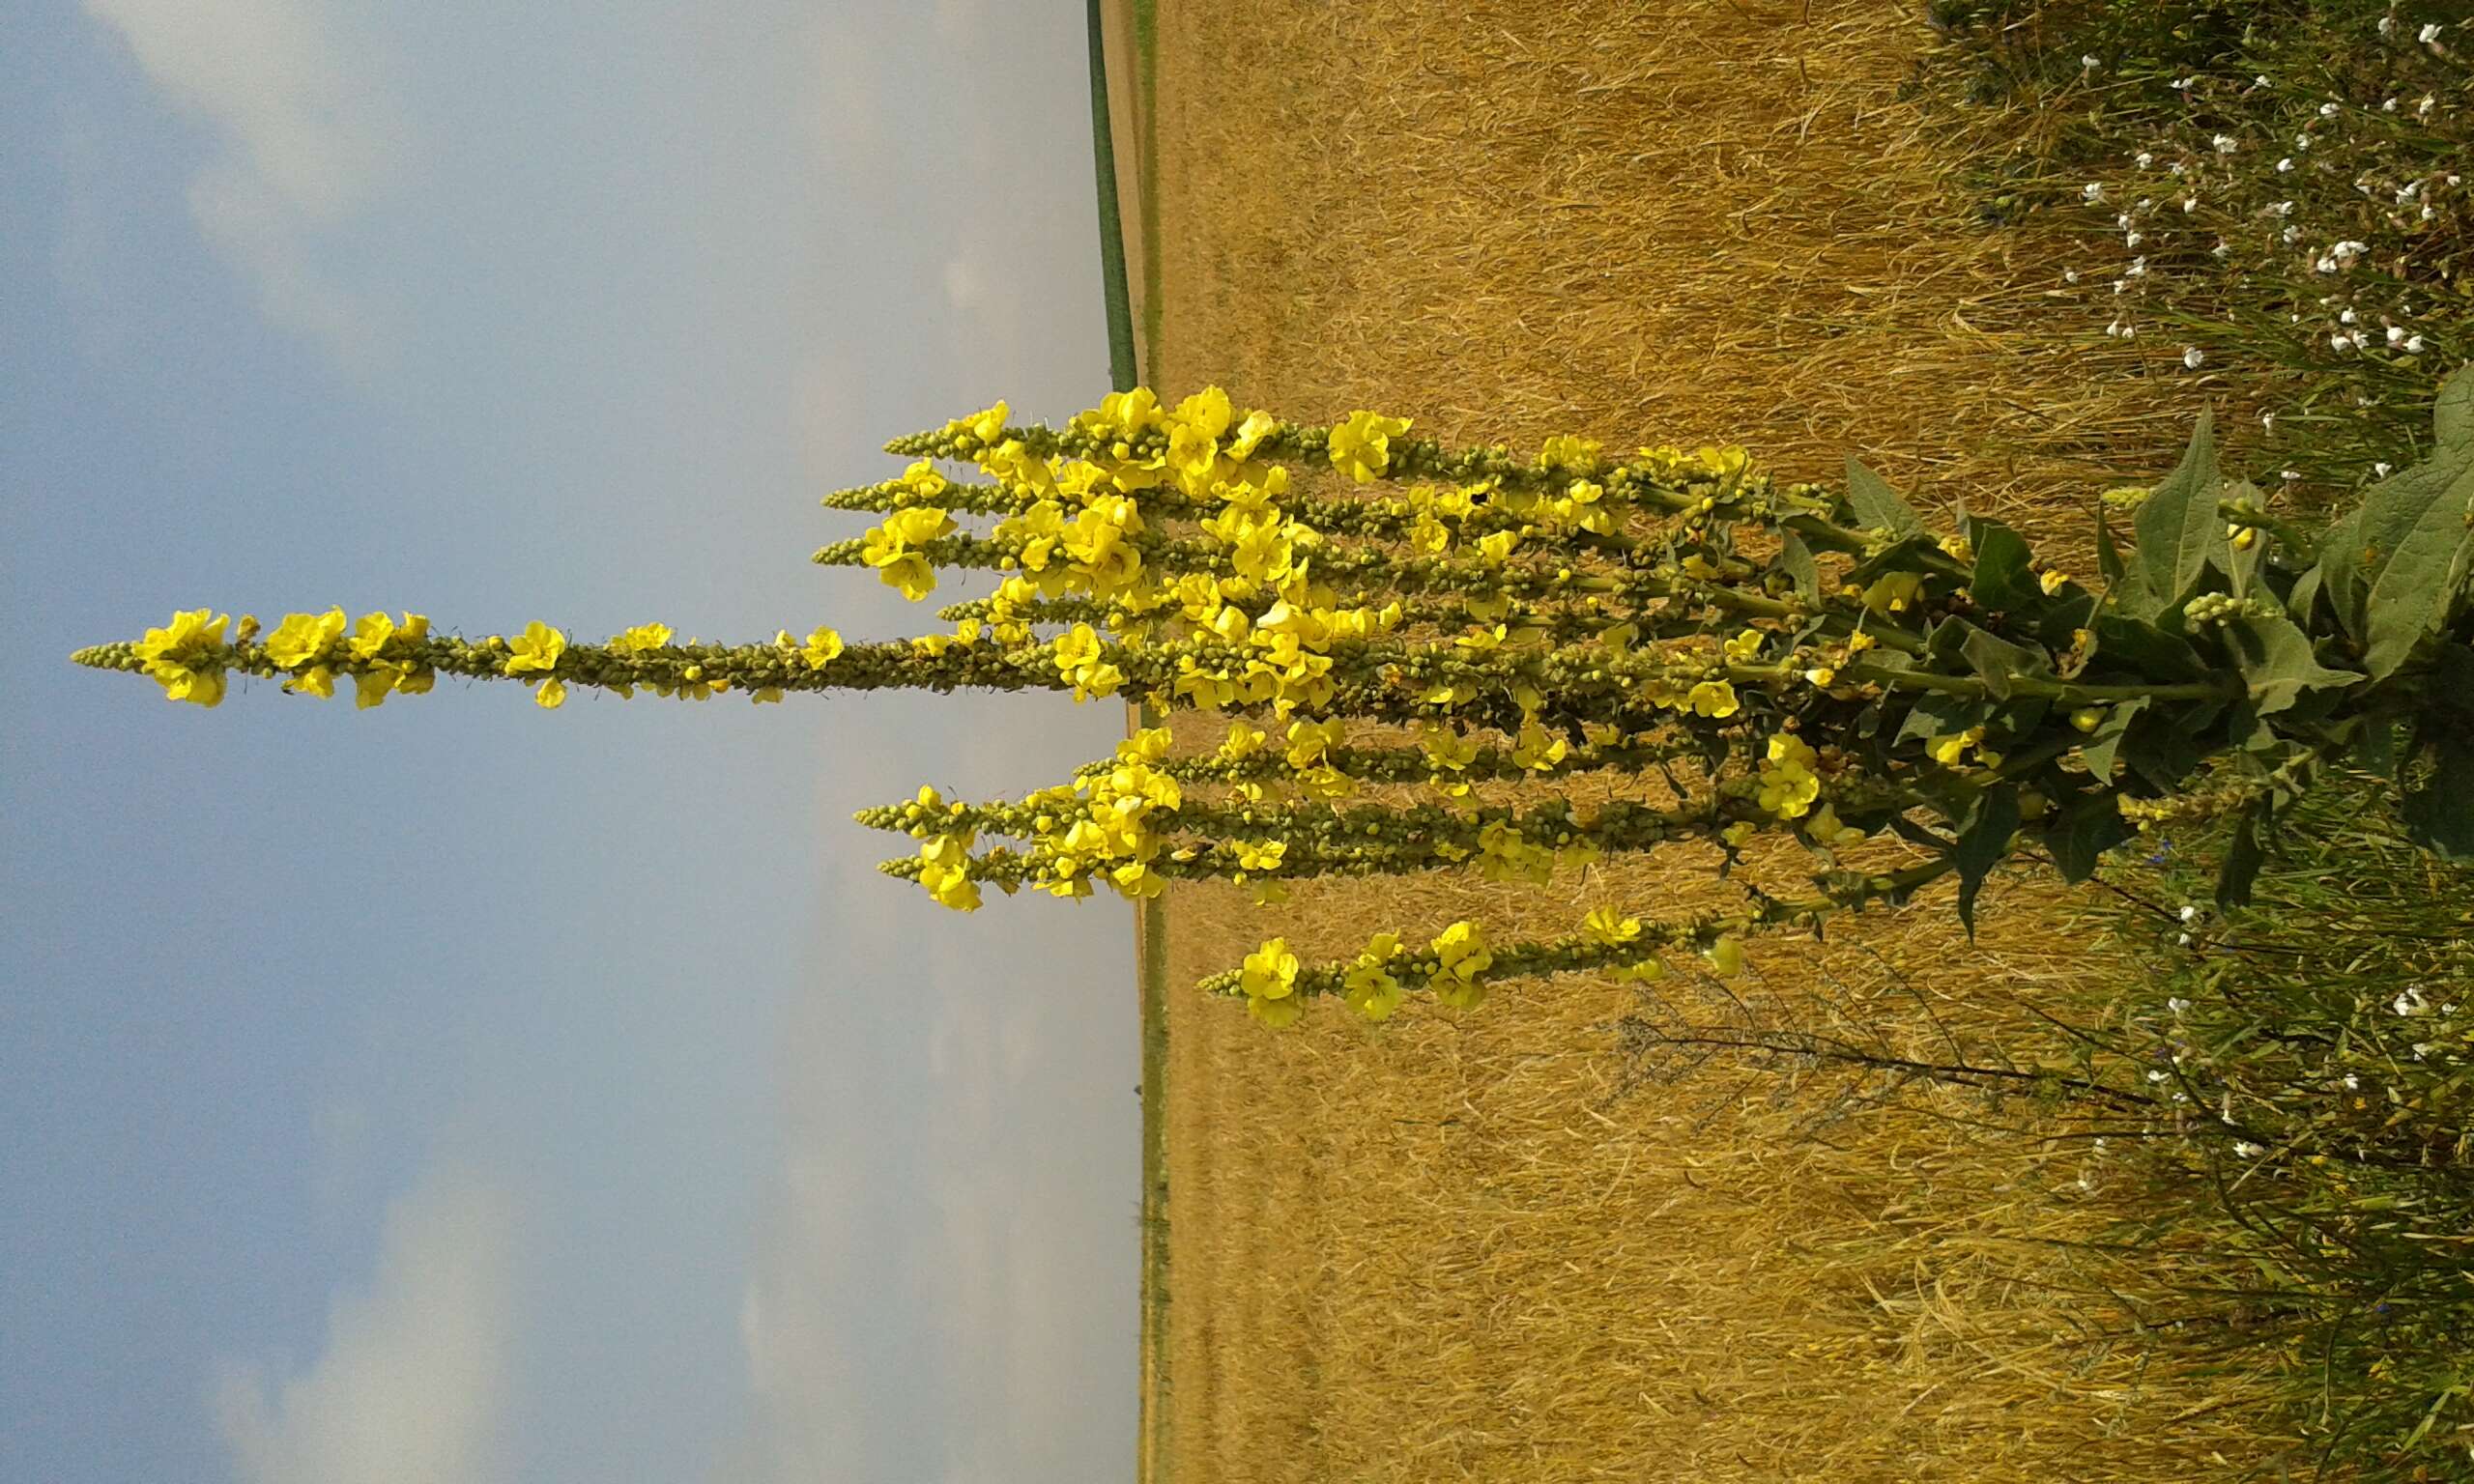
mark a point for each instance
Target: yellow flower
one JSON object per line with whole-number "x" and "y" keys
{"x": 1250, "y": 434}
{"x": 1894, "y": 592}
{"x": 989, "y": 426}
{"x": 1279, "y": 1015}
{"x": 1136, "y": 881}
{"x": 1787, "y": 784}
{"x": 1823, "y": 827}
{"x": 2054, "y": 582}
{"x": 1745, "y": 647}
{"x": 370, "y": 687}
{"x": 1269, "y": 972}
{"x": 370, "y": 635}
{"x": 1572, "y": 455}
{"x": 1242, "y": 741}
{"x": 1947, "y": 751}
{"x": 1726, "y": 955}
{"x": 537, "y": 648}
{"x": 173, "y": 656}
{"x": 304, "y": 637}
{"x": 641, "y": 638}
{"x": 1370, "y": 987}
{"x": 1263, "y": 855}
{"x": 1714, "y": 699}
{"x": 1361, "y": 447}
{"x": 552, "y": 695}
{"x": 1461, "y": 954}
{"x": 317, "y": 680}
{"x": 910, "y": 573}
{"x": 824, "y": 647}
{"x": 1610, "y": 926}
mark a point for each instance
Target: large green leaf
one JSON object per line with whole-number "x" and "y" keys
{"x": 2178, "y": 530}
{"x": 2001, "y": 580}
{"x": 2417, "y": 527}
{"x": 1984, "y": 839}
{"x": 1877, "y": 504}
{"x": 2081, "y": 833}
{"x": 1795, "y": 559}
{"x": 2277, "y": 662}
{"x": 2439, "y": 806}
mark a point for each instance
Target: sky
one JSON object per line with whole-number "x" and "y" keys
{"x": 462, "y": 1091}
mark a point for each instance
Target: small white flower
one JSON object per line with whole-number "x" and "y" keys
{"x": 2137, "y": 265}
{"x": 2346, "y": 318}
{"x": 2119, "y": 285}
{"x": 2290, "y": 236}
{"x": 2261, "y": 79}
{"x": 2146, "y": 160}
{"x": 2099, "y": 1144}
{"x": 2413, "y": 344}
{"x": 2122, "y": 221}
{"x": 2281, "y": 208}
{"x": 2408, "y": 191}
{"x": 2411, "y": 1002}
{"x": 2427, "y": 214}
{"x": 2089, "y": 62}
{"x": 2424, "y": 1048}
{"x": 2379, "y": 470}
{"x": 2301, "y": 143}
{"x": 2190, "y": 914}
{"x": 2245, "y": 1149}
{"x": 2181, "y": 940}
{"x": 2129, "y": 334}
{"x": 2430, "y": 34}
{"x": 2191, "y": 358}
{"x": 2284, "y": 165}
{"x": 2267, "y": 419}
{"x": 2390, "y": 106}
{"x": 2341, "y": 343}
{"x": 2177, "y": 1005}
{"x": 2396, "y": 334}
{"x": 2144, "y": 202}
{"x": 2327, "y": 110}
{"x": 2190, "y": 204}
{"x": 2070, "y": 275}
{"x": 2388, "y": 25}
{"x": 2175, "y": 169}
{"x": 2133, "y": 240}
{"x": 2156, "y": 1075}
{"x": 2353, "y": 1084}
{"x": 2423, "y": 110}
{"x": 2223, "y": 144}
{"x": 2092, "y": 191}
{"x": 2287, "y": 476}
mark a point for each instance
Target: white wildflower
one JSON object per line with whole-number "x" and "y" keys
{"x": 2190, "y": 204}
{"x": 2390, "y": 106}
{"x": 2396, "y": 334}
{"x": 2288, "y": 476}
{"x": 2346, "y": 318}
{"x": 2245, "y": 1149}
{"x": 2070, "y": 275}
{"x": 2413, "y": 344}
{"x": 2133, "y": 240}
{"x": 2190, "y": 914}
{"x": 2353, "y": 1084}
{"x": 2089, "y": 62}
{"x": 2286, "y": 164}
{"x": 2177, "y": 1005}
{"x": 2191, "y": 358}
{"x": 2430, "y": 34}
{"x": 2411, "y": 1002}
{"x": 2146, "y": 160}
{"x": 2092, "y": 191}
{"x": 2379, "y": 470}
{"x": 2327, "y": 110}
{"x": 2223, "y": 144}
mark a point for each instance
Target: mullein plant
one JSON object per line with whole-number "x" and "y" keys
{"x": 1365, "y": 610}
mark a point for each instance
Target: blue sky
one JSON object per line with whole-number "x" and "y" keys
{"x": 459, "y": 1090}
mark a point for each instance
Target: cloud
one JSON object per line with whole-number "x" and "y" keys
{"x": 306, "y": 134}
{"x": 412, "y": 1385}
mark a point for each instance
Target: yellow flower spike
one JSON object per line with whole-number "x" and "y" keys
{"x": 536, "y": 649}
{"x": 1611, "y": 928}
{"x": 552, "y": 695}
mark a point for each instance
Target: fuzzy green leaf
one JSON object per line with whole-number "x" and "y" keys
{"x": 2081, "y": 834}
{"x": 2277, "y": 662}
{"x": 2242, "y": 860}
{"x": 2001, "y": 580}
{"x": 2106, "y": 739}
{"x": 1795, "y": 559}
{"x": 2178, "y": 530}
{"x": 1984, "y": 839}
{"x": 1877, "y": 504}
{"x": 2418, "y": 528}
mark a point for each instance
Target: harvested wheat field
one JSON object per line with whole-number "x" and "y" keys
{"x": 1511, "y": 1243}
